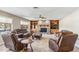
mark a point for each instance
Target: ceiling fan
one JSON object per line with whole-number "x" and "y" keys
{"x": 42, "y": 17}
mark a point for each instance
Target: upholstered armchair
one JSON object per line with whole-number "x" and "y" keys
{"x": 65, "y": 43}
{"x": 11, "y": 42}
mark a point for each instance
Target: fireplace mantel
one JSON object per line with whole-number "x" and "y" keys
{"x": 44, "y": 25}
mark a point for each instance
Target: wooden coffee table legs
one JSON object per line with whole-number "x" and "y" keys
{"x": 31, "y": 47}
{"x": 25, "y": 47}
{"x": 28, "y": 48}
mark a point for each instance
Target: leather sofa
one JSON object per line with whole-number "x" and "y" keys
{"x": 22, "y": 33}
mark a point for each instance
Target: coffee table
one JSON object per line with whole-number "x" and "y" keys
{"x": 27, "y": 45}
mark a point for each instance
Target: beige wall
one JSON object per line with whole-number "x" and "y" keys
{"x": 15, "y": 19}
{"x": 71, "y": 22}
{"x": 16, "y": 23}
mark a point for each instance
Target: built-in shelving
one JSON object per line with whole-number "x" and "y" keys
{"x": 54, "y": 26}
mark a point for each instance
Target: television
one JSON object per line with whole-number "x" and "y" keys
{"x": 43, "y": 30}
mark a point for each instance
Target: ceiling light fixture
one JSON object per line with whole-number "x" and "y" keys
{"x": 35, "y": 7}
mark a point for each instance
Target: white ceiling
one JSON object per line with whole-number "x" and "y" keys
{"x": 48, "y": 12}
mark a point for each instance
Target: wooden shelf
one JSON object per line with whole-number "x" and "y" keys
{"x": 54, "y": 26}
{"x": 33, "y": 25}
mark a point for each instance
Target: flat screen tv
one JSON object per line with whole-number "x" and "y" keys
{"x": 43, "y": 30}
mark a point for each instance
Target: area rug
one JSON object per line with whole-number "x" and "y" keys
{"x": 41, "y": 45}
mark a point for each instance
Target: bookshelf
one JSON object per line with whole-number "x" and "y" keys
{"x": 33, "y": 25}
{"x": 54, "y": 26}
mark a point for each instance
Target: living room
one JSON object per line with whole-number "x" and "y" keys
{"x": 41, "y": 26}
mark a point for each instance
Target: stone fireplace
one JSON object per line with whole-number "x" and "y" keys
{"x": 44, "y": 28}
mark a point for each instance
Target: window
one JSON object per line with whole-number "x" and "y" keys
{"x": 5, "y": 23}
{"x": 5, "y": 27}
{"x": 24, "y": 24}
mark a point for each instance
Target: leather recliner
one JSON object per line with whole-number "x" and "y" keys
{"x": 11, "y": 42}
{"x": 65, "y": 43}
{"x": 65, "y": 32}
